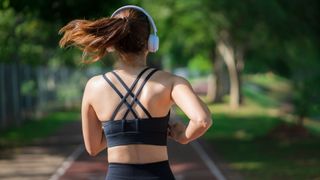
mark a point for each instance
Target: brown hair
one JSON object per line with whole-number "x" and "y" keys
{"x": 127, "y": 34}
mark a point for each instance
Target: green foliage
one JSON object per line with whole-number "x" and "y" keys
{"x": 305, "y": 75}
{"x": 278, "y": 36}
{"x": 5, "y": 4}
{"x": 70, "y": 90}
{"x": 23, "y": 38}
{"x": 6, "y": 25}
{"x": 60, "y": 11}
{"x": 200, "y": 64}
{"x": 29, "y": 29}
{"x": 182, "y": 35}
{"x": 281, "y": 37}
{"x": 28, "y": 88}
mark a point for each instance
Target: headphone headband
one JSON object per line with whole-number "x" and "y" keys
{"x": 153, "y": 25}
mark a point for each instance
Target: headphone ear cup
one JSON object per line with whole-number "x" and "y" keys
{"x": 153, "y": 43}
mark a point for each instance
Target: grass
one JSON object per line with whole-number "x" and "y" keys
{"x": 242, "y": 136}
{"x": 261, "y": 158}
{"x": 37, "y": 128}
{"x": 244, "y": 143}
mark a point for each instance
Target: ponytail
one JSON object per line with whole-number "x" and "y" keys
{"x": 94, "y": 37}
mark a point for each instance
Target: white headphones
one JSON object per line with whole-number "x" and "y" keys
{"x": 153, "y": 41}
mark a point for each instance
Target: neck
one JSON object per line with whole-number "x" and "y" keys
{"x": 127, "y": 62}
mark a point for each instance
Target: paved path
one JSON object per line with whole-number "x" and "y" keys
{"x": 41, "y": 159}
{"x": 63, "y": 157}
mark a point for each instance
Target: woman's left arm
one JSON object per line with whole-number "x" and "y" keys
{"x": 92, "y": 131}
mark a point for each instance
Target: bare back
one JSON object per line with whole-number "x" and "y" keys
{"x": 155, "y": 97}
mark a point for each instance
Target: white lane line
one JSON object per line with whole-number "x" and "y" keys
{"x": 207, "y": 160}
{"x": 67, "y": 163}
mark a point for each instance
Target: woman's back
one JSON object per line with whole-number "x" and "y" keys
{"x": 155, "y": 97}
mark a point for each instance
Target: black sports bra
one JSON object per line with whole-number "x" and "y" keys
{"x": 150, "y": 130}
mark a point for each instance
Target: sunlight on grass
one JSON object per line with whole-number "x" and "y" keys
{"x": 248, "y": 109}
{"x": 269, "y": 81}
{"x": 247, "y": 165}
{"x": 242, "y": 127}
{"x": 259, "y": 96}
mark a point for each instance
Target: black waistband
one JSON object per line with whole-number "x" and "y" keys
{"x": 158, "y": 163}
{"x": 155, "y": 170}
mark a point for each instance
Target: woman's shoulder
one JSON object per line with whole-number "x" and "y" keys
{"x": 170, "y": 77}
{"x": 95, "y": 83}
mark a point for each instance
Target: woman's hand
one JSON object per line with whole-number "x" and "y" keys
{"x": 176, "y": 131}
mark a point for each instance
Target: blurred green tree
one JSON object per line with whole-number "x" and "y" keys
{"x": 282, "y": 36}
{"x": 296, "y": 43}
{"x": 264, "y": 33}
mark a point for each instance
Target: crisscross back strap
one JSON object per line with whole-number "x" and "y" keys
{"x": 132, "y": 95}
{"x": 121, "y": 96}
{"x": 124, "y": 98}
{"x": 139, "y": 91}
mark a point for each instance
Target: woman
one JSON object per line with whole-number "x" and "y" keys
{"x": 127, "y": 110}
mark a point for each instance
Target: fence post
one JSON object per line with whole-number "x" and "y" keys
{"x": 41, "y": 91}
{"x": 16, "y": 94}
{"x": 28, "y": 97}
{"x": 3, "y": 95}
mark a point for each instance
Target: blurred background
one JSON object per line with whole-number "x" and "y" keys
{"x": 255, "y": 63}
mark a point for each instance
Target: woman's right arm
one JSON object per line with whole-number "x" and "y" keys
{"x": 185, "y": 98}
{"x": 94, "y": 139}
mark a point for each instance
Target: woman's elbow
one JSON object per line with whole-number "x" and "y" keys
{"x": 92, "y": 152}
{"x": 94, "y": 148}
{"x": 205, "y": 122}
{"x": 209, "y": 122}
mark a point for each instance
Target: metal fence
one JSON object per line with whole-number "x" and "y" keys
{"x": 27, "y": 91}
